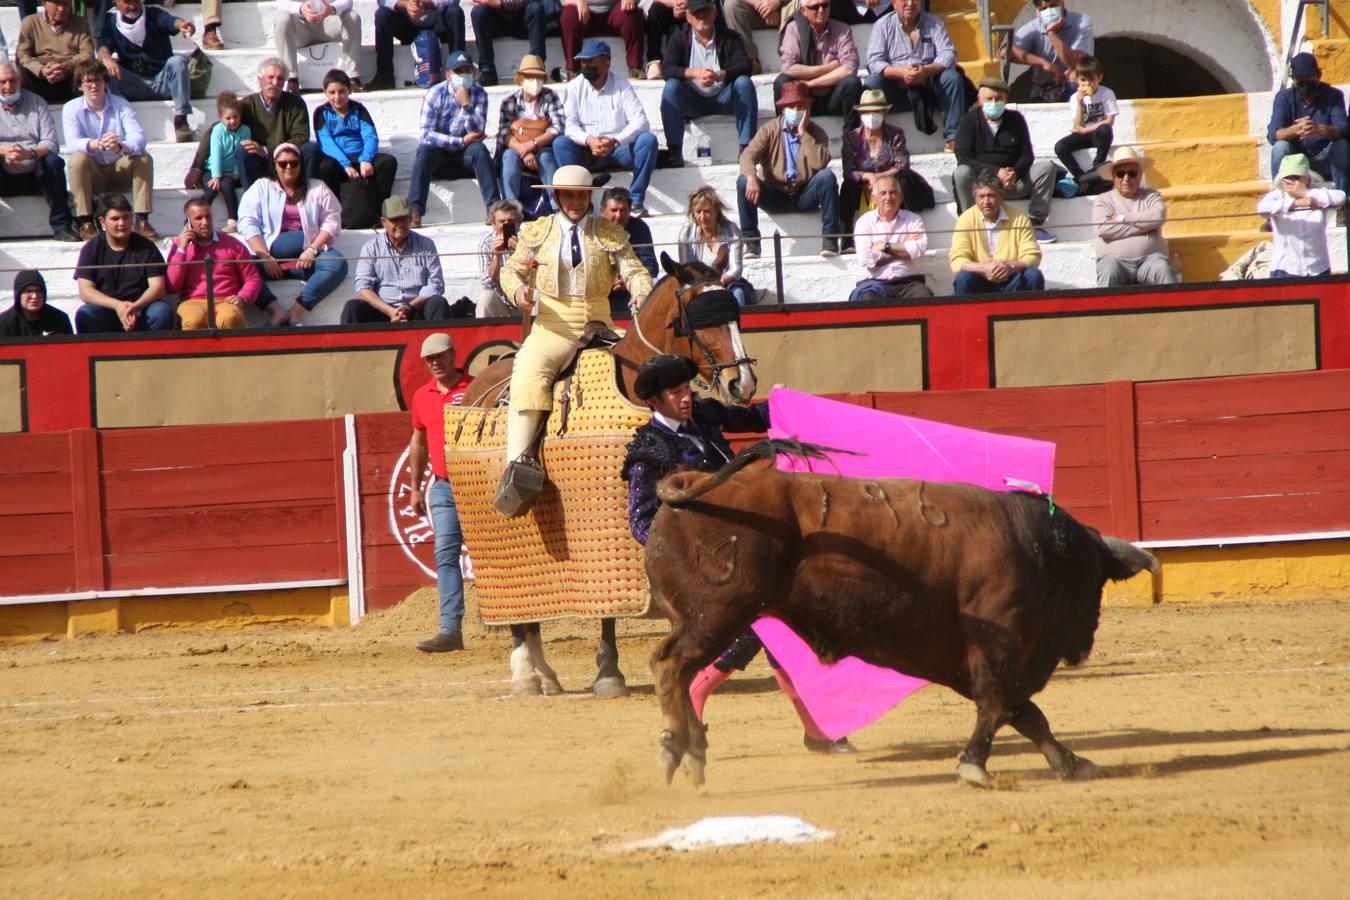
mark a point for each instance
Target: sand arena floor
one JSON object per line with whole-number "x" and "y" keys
{"x": 285, "y": 762}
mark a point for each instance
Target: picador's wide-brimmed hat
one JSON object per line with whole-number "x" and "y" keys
{"x": 661, "y": 373}
{"x": 1124, "y": 155}
{"x": 571, "y": 178}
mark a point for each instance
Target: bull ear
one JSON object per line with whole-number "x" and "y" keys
{"x": 671, "y": 267}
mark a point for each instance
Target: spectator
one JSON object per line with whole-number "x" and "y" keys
{"x": 398, "y": 277}
{"x": 1051, "y": 44}
{"x": 1093, "y": 111}
{"x": 744, "y": 16}
{"x": 707, "y": 73}
{"x": 1252, "y": 265}
{"x": 51, "y": 44}
{"x": 120, "y": 274}
{"x": 858, "y": 12}
{"x": 30, "y": 315}
{"x": 288, "y": 216}
{"x": 994, "y": 247}
{"x": 710, "y": 237}
{"x": 273, "y": 117}
{"x": 211, "y": 25}
{"x": 994, "y": 139}
{"x": 663, "y": 17}
{"x": 511, "y": 18}
{"x": 233, "y": 278}
{"x": 786, "y": 168}
{"x": 504, "y": 217}
{"x": 227, "y": 139}
{"x": 1310, "y": 119}
{"x": 146, "y": 68}
{"x": 447, "y": 387}
{"x": 891, "y": 241}
{"x": 616, "y": 205}
{"x": 876, "y": 150}
{"x": 349, "y": 144}
{"x": 588, "y": 18}
{"x": 108, "y": 150}
{"x": 30, "y": 158}
{"x": 529, "y": 122}
{"x": 606, "y": 126}
{"x": 423, "y": 23}
{"x": 910, "y": 57}
{"x": 302, "y": 23}
{"x": 1129, "y": 221}
{"x": 820, "y": 51}
{"x": 1298, "y": 220}
{"x": 454, "y": 124}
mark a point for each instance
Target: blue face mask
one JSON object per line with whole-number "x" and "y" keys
{"x": 11, "y": 99}
{"x": 459, "y": 80}
{"x": 994, "y": 109}
{"x": 793, "y": 117}
{"x": 1050, "y": 15}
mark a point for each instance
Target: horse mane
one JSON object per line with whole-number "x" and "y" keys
{"x": 766, "y": 450}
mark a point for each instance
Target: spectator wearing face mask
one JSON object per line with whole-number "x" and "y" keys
{"x": 1309, "y": 119}
{"x": 454, "y": 123}
{"x": 1051, "y": 44}
{"x": 529, "y": 122}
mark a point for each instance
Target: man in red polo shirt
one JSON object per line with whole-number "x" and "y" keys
{"x": 446, "y": 388}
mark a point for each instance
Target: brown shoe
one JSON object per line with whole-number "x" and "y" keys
{"x": 192, "y": 180}
{"x": 442, "y": 643}
{"x": 415, "y": 219}
{"x": 144, "y": 228}
{"x": 88, "y": 230}
{"x": 949, "y": 147}
{"x": 211, "y": 40}
{"x": 636, "y": 75}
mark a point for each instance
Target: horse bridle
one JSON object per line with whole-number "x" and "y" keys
{"x": 682, "y": 297}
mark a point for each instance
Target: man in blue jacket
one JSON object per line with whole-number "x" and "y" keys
{"x": 146, "y": 67}
{"x": 1309, "y": 118}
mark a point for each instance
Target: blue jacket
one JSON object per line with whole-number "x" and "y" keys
{"x": 148, "y": 59}
{"x": 1327, "y": 108}
{"x": 348, "y": 139}
{"x": 640, "y": 233}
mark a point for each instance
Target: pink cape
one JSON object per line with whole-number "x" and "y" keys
{"x": 849, "y": 694}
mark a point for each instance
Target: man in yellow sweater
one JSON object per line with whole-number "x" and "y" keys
{"x": 576, "y": 257}
{"x": 994, "y": 248}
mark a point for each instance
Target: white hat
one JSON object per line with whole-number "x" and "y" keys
{"x": 571, "y": 178}
{"x": 1124, "y": 155}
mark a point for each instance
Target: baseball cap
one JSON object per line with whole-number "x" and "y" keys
{"x": 592, "y": 49}
{"x": 1304, "y": 65}
{"x": 458, "y": 60}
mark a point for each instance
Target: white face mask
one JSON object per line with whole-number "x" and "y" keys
{"x": 532, "y": 86}
{"x": 1050, "y": 15}
{"x": 793, "y": 116}
{"x": 873, "y": 120}
{"x": 461, "y": 80}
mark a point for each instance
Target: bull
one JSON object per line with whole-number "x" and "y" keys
{"x": 981, "y": 591}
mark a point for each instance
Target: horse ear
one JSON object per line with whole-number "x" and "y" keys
{"x": 671, "y": 267}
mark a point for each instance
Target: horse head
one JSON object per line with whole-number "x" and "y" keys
{"x": 690, "y": 313}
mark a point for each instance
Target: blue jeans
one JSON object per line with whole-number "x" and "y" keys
{"x": 327, "y": 273}
{"x": 92, "y": 319}
{"x": 1025, "y": 280}
{"x": 1333, "y": 162}
{"x": 449, "y": 541}
{"x": 640, "y": 156}
{"x": 679, "y": 101}
{"x": 513, "y": 170}
{"x": 821, "y": 192}
{"x": 170, "y": 84}
{"x": 950, "y": 90}
{"x": 447, "y": 22}
{"x": 474, "y": 161}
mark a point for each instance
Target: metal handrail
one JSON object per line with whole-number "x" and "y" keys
{"x": 1291, "y": 46}
{"x": 989, "y": 29}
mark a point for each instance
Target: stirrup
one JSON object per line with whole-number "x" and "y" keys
{"x": 521, "y": 483}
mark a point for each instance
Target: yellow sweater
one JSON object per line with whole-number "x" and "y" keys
{"x": 1016, "y": 239}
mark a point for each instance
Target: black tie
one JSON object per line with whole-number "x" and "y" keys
{"x": 576, "y": 248}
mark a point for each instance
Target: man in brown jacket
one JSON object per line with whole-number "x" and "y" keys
{"x": 787, "y": 168}
{"x": 52, "y": 43}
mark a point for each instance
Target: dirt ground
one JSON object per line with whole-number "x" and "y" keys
{"x": 285, "y": 762}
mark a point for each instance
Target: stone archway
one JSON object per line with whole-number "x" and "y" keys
{"x": 1138, "y": 68}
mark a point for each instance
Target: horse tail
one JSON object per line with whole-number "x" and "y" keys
{"x": 765, "y": 450}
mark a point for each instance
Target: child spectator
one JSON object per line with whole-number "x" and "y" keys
{"x": 222, "y": 165}
{"x": 1094, "y": 112}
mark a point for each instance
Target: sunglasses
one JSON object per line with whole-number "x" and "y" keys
{"x": 1127, "y": 173}
{"x": 816, "y": 7}
{"x": 288, "y": 163}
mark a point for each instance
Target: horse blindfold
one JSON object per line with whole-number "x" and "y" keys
{"x": 708, "y": 310}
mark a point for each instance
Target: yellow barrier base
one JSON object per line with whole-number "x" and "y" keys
{"x": 1276, "y": 572}
{"x": 232, "y": 610}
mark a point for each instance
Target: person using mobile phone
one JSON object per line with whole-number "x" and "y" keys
{"x": 504, "y": 217}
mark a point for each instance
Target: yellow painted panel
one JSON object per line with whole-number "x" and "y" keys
{"x": 1149, "y": 346}
{"x": 32, "y": 622}
{"x": 93, "y": 617}
{"x": 11, "y": 397}
{"x": 864, "y": 358}
{"x": 1315, "y": 570}
{"x": 1269, "y": 11}
{"x": 1217, "y": 161}
{"x": 1203, "y": 257}
{"x": 1340, "y": 20}
{"x": 269, "y": 387}
{"x": 1191, "y": 118}
{"x": 1334, "y": 58}
{"x": 302, "y": 606}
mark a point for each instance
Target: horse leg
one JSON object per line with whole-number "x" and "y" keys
{"x": 1030, "y": 721}
{"x": 609, "y": 681}
{"x": 534, "y": 645}
{"x": 523, "y": 679}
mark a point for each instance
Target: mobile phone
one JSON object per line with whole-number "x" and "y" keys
{"x": 508, "y": 231}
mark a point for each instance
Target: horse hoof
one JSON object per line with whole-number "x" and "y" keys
{"x": 526, "y": 687}
{"x": 1079, "y": 769}
{"x": 670, "y": 761}
{"x": 610, "y": 686}
{"x": 694, "y": 767}
{"x": 551, "y": 687}
{"x": 974, "y": 775}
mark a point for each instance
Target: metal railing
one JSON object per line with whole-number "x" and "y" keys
{"x": 1292, "y": 45}
{"x": 1001, "y": 53}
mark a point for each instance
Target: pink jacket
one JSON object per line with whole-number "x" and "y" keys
{"x": 231, "y": 279}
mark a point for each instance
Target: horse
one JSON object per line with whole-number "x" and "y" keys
{"x": 670, "y": 321}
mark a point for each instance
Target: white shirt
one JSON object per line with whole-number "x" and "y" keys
{"x": 612, "y": 111}
{"x": 1300, "y": 235}
{"x": 991, "y": 230}
{"x": 1101, "y": 104}
{"x": 701, "y": 57}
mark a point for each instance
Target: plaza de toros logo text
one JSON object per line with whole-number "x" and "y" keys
{"x": 413, "y": 529}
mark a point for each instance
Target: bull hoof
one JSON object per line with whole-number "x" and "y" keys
{"x": 610, "y": 686}
{"x": 694, "y": 767}
{"x": 974, "y": 775}
{"x": 526, "y": 687}
{"x": 1076, "y": 768}
{"x": 669, "y": 756}
{"x": 550, "y": 687}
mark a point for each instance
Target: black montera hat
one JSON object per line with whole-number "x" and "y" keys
{"x": 662, "y": 373}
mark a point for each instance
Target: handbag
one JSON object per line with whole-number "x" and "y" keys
{"x": 361, "y": 202}
{"x": 314, "y": 61}
{"x": 199, "y": 73}
{"x": 529, "y": 129}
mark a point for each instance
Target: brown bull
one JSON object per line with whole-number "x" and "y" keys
{"x": 981, "y": 591}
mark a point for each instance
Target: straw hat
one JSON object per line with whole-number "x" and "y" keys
{"x": 530, "y": 66}
{"x": 571, "y": 178}
{"x": 1124, "y": 155}
{"x": 873, "y": 101}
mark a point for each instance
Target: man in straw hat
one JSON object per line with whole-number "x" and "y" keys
{"x": 529, "y": 122}
{"x": 1128, "y": 220}
{"x": 574, "y": 256}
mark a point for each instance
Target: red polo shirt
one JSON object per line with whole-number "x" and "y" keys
{"x": 428, "y": 414}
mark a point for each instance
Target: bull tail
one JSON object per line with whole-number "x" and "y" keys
{"x": 767, "y": 449}
{"x": 1124, "y": 559}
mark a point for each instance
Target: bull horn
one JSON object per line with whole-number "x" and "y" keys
{"x": 1133, "y": 559}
